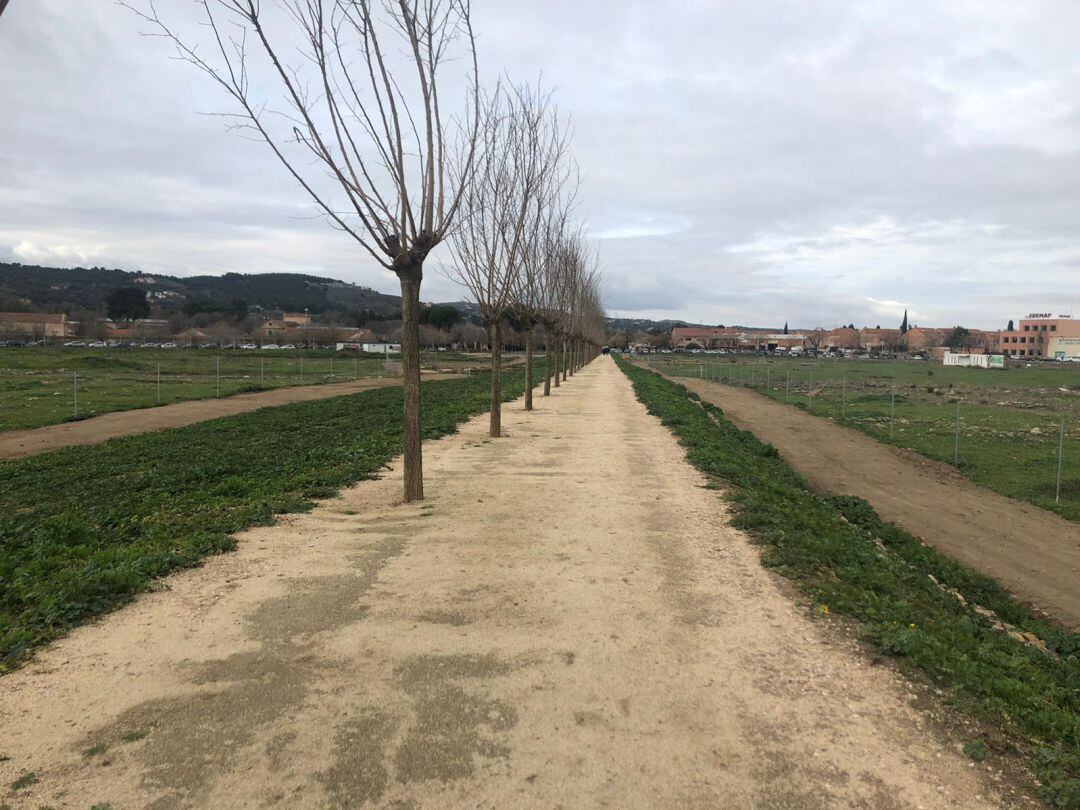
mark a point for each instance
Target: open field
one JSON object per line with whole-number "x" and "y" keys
{"x": 83, "y": 529}
{"x": 1009, "y": 421}
{"x": 997, "y": 661}
{"x": 112, "y": 425}
{"x": 568, "y": 620}
{"x": 37, "y": 385}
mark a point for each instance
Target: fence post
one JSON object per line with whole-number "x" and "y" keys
{"x": 262, "y": 372}
{"x": 355, "y": 373}
{"x": 956, "y": 448}
{"x": 331, "y": 368}
{"x": 75, "y": 389}
{"x": 892, "y": 412}
{"x": 787, "y": 387}
{"x": 301, "y": 369}
{"x": 843, "y": 410}
{"x": 1061, "y": 458}
{"x": 217, "y": 361}
{"x": 809, "y": 391}
{"x": 159, "y": 383}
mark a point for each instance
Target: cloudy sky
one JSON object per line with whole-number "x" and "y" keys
{"x": 744, "y": 162}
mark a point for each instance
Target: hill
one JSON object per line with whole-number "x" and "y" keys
{"x": 30, "y": 287}
{"x": 645, "y": 324}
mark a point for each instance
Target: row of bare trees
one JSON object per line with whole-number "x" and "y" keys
{"x": 375, "y": 108}
{"x": 513, "y": 248}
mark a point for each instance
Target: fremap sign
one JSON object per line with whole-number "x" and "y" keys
{"x": 1043, "y": 315}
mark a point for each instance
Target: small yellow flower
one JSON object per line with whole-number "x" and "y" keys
{"x": 825, "y": 610}
{"x": 912, "y": 626}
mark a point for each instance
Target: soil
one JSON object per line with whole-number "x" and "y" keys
{"x": 98, "y": 429}
{"x": 1032, "y": 552}
{"x": 568, "y": 620}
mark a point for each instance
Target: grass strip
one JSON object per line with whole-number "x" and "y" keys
{"x": 82, "y": 530}
{"x": 1008, "y": 668}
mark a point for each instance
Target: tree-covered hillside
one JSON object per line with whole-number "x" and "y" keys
{"x": 30, "y": 287}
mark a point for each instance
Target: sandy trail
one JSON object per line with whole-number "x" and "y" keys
{"x": 98, "y": 429}
{"x": 567, "y": 621}
{"x": 1032, "y": 552}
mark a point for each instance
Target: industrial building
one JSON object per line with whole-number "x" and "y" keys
{"x": 1042, "y": 335}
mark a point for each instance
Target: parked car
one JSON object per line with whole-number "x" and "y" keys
{"x": 271, "y": 346}
{"x": 248, "y": 346}
{"x": 169, "y": 345}
{"x": 14, "y": 344}
{"x": 287, "y": 346}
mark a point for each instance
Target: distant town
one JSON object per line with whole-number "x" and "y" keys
{"x": 1040, "y": 335}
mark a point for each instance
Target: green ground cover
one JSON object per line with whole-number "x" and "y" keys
{"x": 1010, "y": 421}
{"x": 839, "y": 552}
{"x": 37, "y": 385}
{"x": 83, "y": 530}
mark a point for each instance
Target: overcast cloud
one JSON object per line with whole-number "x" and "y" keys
{"x": 745, "y": 162}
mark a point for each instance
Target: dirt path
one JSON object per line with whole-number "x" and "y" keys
{"x": 1032, "y": 552}
{"x": 98, "y": 429}
{"x": 567, "y": 621}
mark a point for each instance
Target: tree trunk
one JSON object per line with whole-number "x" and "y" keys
{"x": 495, "y": 429}
{"x": 528, "y": 366}
{"x": 410, "y": 367}
{"x": 565, "y": 357}
{"x": 558, "y": 359}
{"x": 547, "y": 360}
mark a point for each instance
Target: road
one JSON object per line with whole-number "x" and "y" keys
{"x": 568, "y": 621}
{"x": 1032, "y": 552}
{"x": 98, "y": 429}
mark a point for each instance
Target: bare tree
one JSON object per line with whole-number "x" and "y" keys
{"x": 489, "y": 244}
{"x": 547, "y": 221}
{"x": 360, "y": 125}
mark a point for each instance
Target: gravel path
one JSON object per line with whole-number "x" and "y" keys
{"x": 568, "y": 621}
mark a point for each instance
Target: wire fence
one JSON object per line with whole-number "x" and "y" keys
{"x": 39, "y": 388}
{"x": 1015, "y": 432}
{"x": 44, "y": 386}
